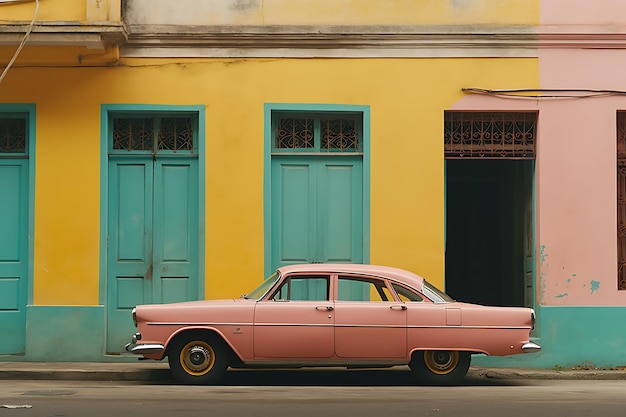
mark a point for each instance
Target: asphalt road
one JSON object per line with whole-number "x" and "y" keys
{"x": 314, "y": 394}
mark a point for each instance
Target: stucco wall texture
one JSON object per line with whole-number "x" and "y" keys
{"x": 575, "y": 182}
{"x": 576, "y": 167}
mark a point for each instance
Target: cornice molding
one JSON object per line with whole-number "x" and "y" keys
{"x": 365, "y": 41}
{"x": 95, "y": 35}
{"x": 316, "y": 41}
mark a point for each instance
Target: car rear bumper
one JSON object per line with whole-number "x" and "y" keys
{"x": 530, "y": 347}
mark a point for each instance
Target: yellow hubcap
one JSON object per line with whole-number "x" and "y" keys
{"x": 441, "y": 362}
{"x": 197, "y": 358}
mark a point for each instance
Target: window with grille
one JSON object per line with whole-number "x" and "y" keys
{"x": 153, "y": 134}
{"x": 337, "y": 132}
{"x": 490, "y": 135}
{"x": 621, "y": 200}
{"x": 13, "y": 134}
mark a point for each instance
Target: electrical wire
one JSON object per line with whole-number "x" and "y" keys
{"x": 545, "y": 93}
{"x": 22, "y": 43}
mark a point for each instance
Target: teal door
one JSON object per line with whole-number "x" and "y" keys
{"x": 317, "y": 209}
{"x": 13, "y": 254}
{"x": 152, "y": 237}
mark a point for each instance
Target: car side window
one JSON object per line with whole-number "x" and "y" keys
{"x": 303, "y": 288}
{"x": 406, "y": 295}
{"x": 362, "y": 289}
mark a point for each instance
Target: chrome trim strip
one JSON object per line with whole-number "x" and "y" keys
{"x": 332, "y": 324}
{"x": 180, "y": 323}
{"x": 295, "y": 324}
{"x": 531, "y": 347}
{"x": 144, "y": 349}
{"x": 471, "y": 327}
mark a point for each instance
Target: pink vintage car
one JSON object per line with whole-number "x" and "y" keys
{"x": 331, "y": 315}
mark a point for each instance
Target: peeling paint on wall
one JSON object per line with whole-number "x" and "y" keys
{"x": 542, "y": 254}
{"x": 561, "y": 295}
{"x": 595, "y": 286}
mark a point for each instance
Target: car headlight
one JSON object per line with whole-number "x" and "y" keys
{"x": 135, "y": 316}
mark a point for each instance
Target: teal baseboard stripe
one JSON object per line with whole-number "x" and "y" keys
{"x": 572, "y": 337}
{"x": 64, "y": 333}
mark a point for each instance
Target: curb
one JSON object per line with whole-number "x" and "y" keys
{"x": 156, "y": 372}
{"x": 547, "y": 374}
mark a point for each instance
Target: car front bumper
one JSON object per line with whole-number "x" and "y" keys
{"x": 143, "y": 348}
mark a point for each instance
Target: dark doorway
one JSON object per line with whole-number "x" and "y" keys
{"x": 489, "y": 224}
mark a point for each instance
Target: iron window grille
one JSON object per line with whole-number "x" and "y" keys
{"x": 621, "y": 201}
{"x": 333, "y": 132}
{"x": 152, "y": 134}
{"x": 13, "y": 134}
{"x": 490, "y": 135}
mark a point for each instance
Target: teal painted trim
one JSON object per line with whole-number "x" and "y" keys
{"x": 267, "y": 194}
{"x": 572, "y": 336}
{"x": 68, "y": 333}
{"x": 267, "y": 150}
{"x": 366, "y": 181}
{"x": 445, "y": 209}
{"x": 201, "y": 111}
{"x": 534, "y": 243}
{"x": 105, "y": 110}
{"x": 30, "y": 109}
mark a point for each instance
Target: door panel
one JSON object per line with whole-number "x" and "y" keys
{"x": 153, "y": 238}
{"x": 13, "y": 255}
{"x": 130, "y": 248}
{"x": 293, "y": 213}
{"x": 340, "y": 212}
{"x": 293, "y": 329}
{"x": 317, "y": 210}
{"x": 360, "y": 324}
{"x": 366, "y": 313}
{"x": 175, "y": 231}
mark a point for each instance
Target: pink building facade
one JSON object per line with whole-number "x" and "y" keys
{"x": 579, "y": 290}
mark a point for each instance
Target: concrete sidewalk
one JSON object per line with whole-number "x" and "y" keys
{"x": 159, "y": 371}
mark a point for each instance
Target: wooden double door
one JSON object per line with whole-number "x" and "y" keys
{"x": 152, "y": 237}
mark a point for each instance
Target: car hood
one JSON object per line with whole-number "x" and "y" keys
{"x": 196, "y": 304}
{"x": 203, "y": 311}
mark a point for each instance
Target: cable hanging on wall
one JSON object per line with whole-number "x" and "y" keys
{"x": 545, "y": 93}
{"x": 24, "y": 39}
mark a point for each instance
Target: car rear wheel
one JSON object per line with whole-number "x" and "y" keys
{"x": 440, "y": 367}
{"x": 198, "y": 359}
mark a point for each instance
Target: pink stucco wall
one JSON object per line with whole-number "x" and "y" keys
{"x": 568, "y": 12}
{"x": 575, "y": 176}
{"x": 576, "y": 179}
{"x": 576, "y": 165}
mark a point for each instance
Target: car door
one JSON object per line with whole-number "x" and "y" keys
{"x": 369, "y": 323}
{"x": 296, "y": 321}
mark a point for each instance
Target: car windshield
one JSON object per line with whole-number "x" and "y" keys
{"x": 259, "y": 291}
{"x": 435, "y": 294}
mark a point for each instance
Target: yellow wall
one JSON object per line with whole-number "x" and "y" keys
{"x": 335, "y": 12}
{"x": 407, "y": 99}
{"x": 62, "y": 10}
{"x": 291, "y": 12}
{"x": 414, "y": 12}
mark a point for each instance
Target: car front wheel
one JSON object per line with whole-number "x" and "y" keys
{"x": 198, "y": 359}
{"x": 440, "y": 367}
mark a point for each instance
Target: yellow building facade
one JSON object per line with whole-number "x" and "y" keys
{"x": 91, "y": 70}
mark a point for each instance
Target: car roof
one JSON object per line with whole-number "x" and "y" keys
{"x": 397, "y": 274}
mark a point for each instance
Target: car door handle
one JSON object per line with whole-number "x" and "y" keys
{"x": 401, "y": 307}
{"x": 327, "y": 308}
